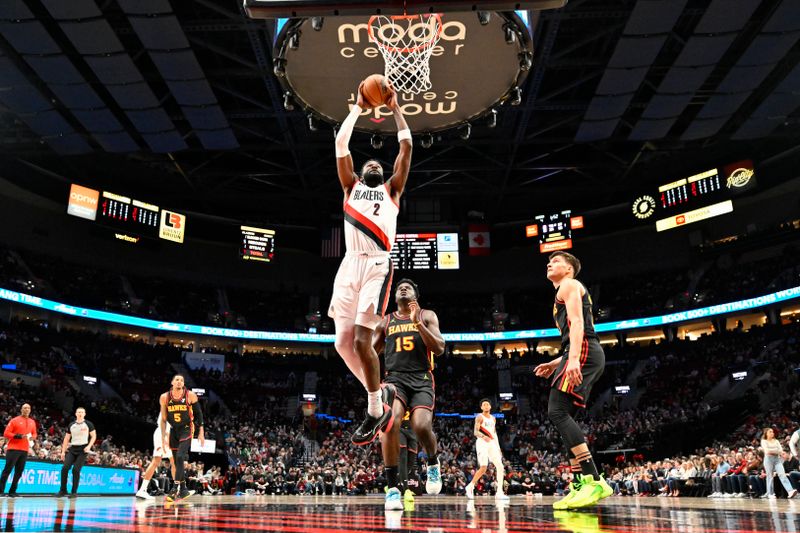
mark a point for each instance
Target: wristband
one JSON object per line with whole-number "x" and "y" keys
{"x": 342, "y": 153}
{"x": 404, "y": 135}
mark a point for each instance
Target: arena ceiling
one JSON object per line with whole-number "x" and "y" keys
{"x": 177, "y": 103}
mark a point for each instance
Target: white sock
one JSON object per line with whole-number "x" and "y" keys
{"x": 374, "y": 403}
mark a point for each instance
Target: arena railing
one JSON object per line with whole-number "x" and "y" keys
{"x": 603, "y": 327}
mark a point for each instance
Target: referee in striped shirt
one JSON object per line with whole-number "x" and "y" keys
{"x": 78, "y": 441}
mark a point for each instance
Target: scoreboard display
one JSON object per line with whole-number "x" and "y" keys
{"x": 128, "y": 218}
{"x": 257, "y": 244}
{"x": 554, "y": 231}
{"x": 694, "y": 198}
{"x": 425, "y": 251}
{"x": 121, "y": 212}
{"x": 698, "y": 186}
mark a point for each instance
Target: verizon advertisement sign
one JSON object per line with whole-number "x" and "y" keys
{"x": 472, "y": 69}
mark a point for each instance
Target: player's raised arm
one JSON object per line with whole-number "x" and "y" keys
{"x": 402, "y": 164}
{"x": 344, "y": 161}
{"x": 428, "y": 327}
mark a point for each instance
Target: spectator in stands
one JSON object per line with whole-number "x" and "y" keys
{"x": 755, "y": 474}
{"x": 720, "y": 471}
{"x": 773, "y": 464}
{"x": 792, "y": 467}
{"x": 737, "y": 480}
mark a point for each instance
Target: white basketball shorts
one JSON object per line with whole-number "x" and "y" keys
{"x": 362, "y": 288}
{"x": 158, "y": 446}
{"x": 488, "y": 451}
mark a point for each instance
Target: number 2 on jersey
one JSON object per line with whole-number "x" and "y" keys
{"x": 407, "y": 344}
{"x": 377, "y": 209}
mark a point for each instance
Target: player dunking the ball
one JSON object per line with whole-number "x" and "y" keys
{"x": 181, "y": 409}
{"x": 410, "y": 338}
{"x": 363, "y": 283}
{"x": 580, "y": 366}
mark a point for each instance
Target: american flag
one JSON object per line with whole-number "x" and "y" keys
{"x": 332, "y": 241}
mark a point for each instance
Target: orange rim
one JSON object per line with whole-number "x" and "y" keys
{"x": 406, "y": 50}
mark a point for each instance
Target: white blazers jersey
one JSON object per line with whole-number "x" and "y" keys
{"x": 488, "y": 451}
{"x": 370, "y": 218}
{"x": 488, "y": 427}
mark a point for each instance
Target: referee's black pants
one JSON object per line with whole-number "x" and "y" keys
{"x": 14, "y": 459}
{"x": 75, "y": 457}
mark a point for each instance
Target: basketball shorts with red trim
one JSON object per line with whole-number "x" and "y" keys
{"x": 593, "y": 363}
{"x": 362, "y": 287}
{"x": 416, "y": 390}
{"x": 180, "y": 439}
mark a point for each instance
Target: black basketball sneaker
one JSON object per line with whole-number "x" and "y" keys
{"x": 372, "y": 426}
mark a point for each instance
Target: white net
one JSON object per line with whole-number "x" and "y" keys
{"x": 406, "y": 43}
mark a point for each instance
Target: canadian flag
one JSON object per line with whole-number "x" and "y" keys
{"x": 479, "y": 241}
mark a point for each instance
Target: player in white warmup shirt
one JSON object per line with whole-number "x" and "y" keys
{"x": 488, "y": 448}
{"x": 158, "y": 453}
{"x": 364, "y": 281}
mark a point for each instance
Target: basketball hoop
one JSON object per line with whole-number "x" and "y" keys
{"x": 406, "y": 43}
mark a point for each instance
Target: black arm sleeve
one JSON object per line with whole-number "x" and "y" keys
{"x": 197, "y": 412}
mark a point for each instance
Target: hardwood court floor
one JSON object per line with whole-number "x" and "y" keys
{"x": 431, "y": 514}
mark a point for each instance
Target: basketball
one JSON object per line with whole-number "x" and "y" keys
{"x": 375, "y": 90}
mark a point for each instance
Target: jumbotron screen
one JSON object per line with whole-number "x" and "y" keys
{"x": 425, "y": 251}
{"x": 258, "y": 244}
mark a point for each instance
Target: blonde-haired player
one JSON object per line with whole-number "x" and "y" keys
{"x": 488, "y": 448}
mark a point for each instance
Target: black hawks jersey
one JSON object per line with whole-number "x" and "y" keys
{"x": 562, "y": 322}
{"x": 405, "y": 351}
{"x": 180, "y": 416}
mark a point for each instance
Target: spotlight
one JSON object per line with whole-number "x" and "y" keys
{"x": 484, "y": 17}
{"x": 515, "y": 96}
{"x": 316, "y": 23}
{"x": 279, "y": 67}
{"x": 525, "y": 61}
{"x": 426, "y": 140}
{"x": 312, "y": 123}
{"x": 376, "y": 141}
{"x": 465, "y": 131}
{"x": 294, "y": 40}
{"x": 288, "y": 101}
{"x": 491, "y": 120}
{"x": 511, "y": 35}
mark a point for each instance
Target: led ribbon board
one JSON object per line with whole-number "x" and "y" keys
{"x": 621, "y": 325}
